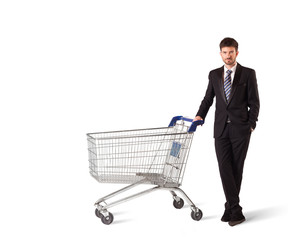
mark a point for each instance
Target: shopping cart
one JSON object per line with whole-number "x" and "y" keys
{"x": 155, "y": 156}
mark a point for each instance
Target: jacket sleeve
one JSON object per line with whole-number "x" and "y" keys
{"x": 253, "y": 99}
{"x": 207, "y": 100}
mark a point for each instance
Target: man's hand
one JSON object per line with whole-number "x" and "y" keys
{"x": 197, "y": 118}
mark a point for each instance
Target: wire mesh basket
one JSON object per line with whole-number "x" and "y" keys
{"x": 153, "y": 156}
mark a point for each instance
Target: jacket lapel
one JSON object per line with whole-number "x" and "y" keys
{"x": 235, "y": 82}
{"x": 221, "y": 82}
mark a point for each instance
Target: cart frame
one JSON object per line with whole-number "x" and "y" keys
{"x": 156, "y": 156}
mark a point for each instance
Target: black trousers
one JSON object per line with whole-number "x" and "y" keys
{"x": 231, "y": 152}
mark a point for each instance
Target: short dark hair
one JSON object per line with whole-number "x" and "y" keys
{"x": 229, "y": 42}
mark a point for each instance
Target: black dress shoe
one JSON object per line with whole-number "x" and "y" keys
{"x": 233, "y": 223}
{"x": 226, "y": 216}
{"x": 236, "y": 218}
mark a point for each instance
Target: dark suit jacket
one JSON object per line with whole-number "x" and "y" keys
{"x": 243, "y": 107}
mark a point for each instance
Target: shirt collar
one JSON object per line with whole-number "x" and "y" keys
{"x": 232, "y": 69}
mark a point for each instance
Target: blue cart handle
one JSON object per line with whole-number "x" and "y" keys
{"x": 193, "y": 126}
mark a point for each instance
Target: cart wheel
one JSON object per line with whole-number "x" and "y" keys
{"x": 196, "y": 215}
{"x": 108, "y": 219}
{"x": 98, "y": 213}
{"x": 178, "y": 204}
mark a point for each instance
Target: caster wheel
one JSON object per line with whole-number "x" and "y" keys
{"x": 98, "y": 214}
{"x": 108, "y": 219}
{"x": 178, "y": 204}
{"x": 196, "y": 215}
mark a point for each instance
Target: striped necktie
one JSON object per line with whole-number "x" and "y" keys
{"x": 227, "y": 84}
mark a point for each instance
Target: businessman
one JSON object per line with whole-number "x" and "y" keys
{"x": 237, "y": 109}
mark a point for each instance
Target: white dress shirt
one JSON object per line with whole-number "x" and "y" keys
{"x": 233, "y": 69}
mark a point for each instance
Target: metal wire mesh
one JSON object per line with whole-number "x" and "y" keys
{"x": 153, "y": 156}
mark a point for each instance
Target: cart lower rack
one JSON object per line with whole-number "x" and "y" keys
{"x": 156, "y": 156}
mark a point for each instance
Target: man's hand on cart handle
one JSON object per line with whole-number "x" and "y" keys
{"x": 197, "y": 118}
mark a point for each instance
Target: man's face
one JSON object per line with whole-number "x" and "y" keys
{"x": 229, "y": 55}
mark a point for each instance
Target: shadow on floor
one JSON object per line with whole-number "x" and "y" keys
{"x": 265, "y": 213}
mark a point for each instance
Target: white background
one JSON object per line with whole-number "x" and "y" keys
{"x": 72, "y": 67}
